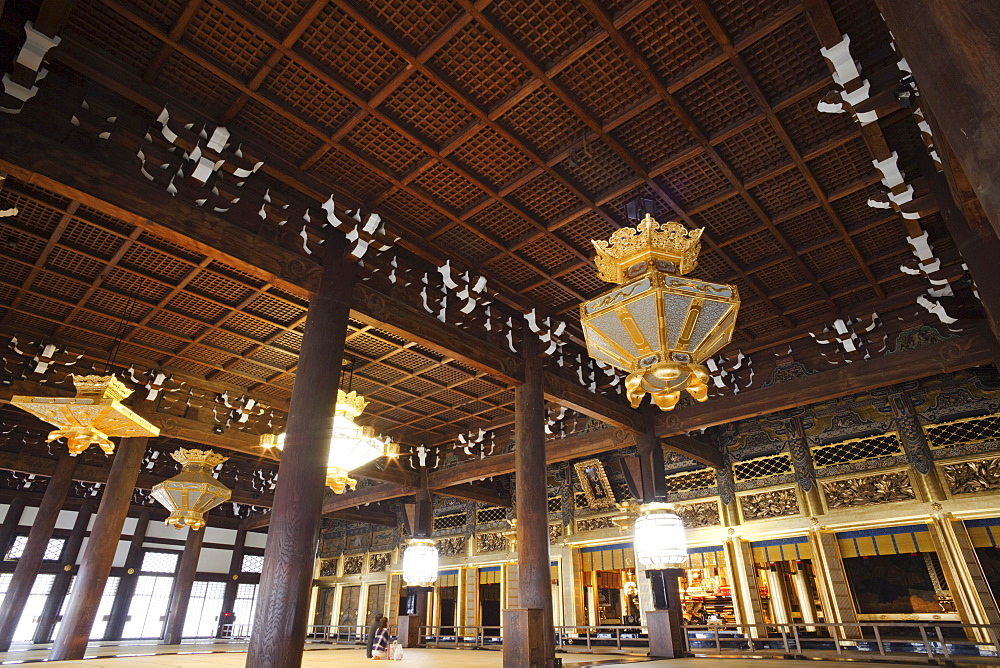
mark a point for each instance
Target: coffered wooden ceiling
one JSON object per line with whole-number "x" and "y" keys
{"x": 502, "y": 135}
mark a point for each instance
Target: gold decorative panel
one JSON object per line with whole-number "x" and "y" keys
{"x": 869, "y": 490}
{"x": 773, "y": 503}
{"x": 972, "y": 477}
{"x": 695, "y": 515}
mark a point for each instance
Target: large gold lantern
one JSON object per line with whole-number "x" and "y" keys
{"x": 192, "y": 492}
{"x": 351, "y": 445}
{"x": 657, "y": 325}
{"x": 94, "y": 415}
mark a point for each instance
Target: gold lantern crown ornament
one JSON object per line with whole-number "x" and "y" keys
{"x": 351, "y": 445}
{"x": 94, "y": 415}
{"x": 192, "y": 492}
{"x": 658, "y": 325}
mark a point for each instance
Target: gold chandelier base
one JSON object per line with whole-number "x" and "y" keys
{"x": 79, "y": 438}
{"x": 186, "y": 518}
{"x": 665, "y": 381}
{"x": 338, "y": 480}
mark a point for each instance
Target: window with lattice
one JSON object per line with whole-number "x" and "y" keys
{"x": 53, "y": 549}
{"x": 555, "y": 504}
{"x": 252, "y": 563}
{"x": 961, "y": 432}
{"x": 494, "y": 514}
{"x": 159, "y": 562}
{"x": 689, "y": 481}
{"x": 452, "y": 521}
{"x": 857, "y": 449}
{"x": 762, "y": 467}
{"x": 580, "y": 500}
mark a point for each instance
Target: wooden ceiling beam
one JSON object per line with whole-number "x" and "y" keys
{"x": 971, "y": 348}
{"x": 719, "y": 32}
{"x": 645, "y": 68}
{"x": 470, "y": 491}
{"x": 44, "y": 466}
{"x": 696, "y": 449}
{"x": 595, "y": 125}
{"x": 140, "y": 204}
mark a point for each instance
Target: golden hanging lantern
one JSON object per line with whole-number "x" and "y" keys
{"x": 94, "y": 415}
{"x": 192, "y": 492}
{"x": 658, "y": 325}
{"x": 351, "y": 445}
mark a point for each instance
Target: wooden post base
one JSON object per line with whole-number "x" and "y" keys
{"x": 666, "y": 635}
{"x": 408, "y": 630}
{"x": 523, "y": 638}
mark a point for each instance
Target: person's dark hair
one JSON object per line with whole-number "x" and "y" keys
{"x": 385, "y": 622}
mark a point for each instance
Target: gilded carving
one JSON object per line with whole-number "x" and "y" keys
{"x": 555, "y": 533}
{"x": 352, "y": 565}
{"x": 377, "y": 563}
{"x": 697, "y": 515}
{"x": 774, "y": 503}
{"x": 491, "y": 542}
{"x": 869, "y": 490}
{"x": 972, "y": 477}
{"x": 328, "y": 567}
{"x": 451, "y": 547}
{"x": 595, "y": 523}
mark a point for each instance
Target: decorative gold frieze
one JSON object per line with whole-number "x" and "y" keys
{"x": 451, "y": 547}
{"x": 869, "y": 490}
{"x": 972, "y": 477}
{"x": 555, "y": 533}
{"x": 695, "y": 515}
{"x": 595, "y": 523}
{"x": 353, "y": 564}
{"x": 377, "y": 563}
{"x": 328, "y": 567}
{"x": 773, "y": 503}
{"x": 494, "y": 541}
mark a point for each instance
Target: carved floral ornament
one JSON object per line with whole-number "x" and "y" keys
{"x": 772, "y": 503}
{"x": 696, "y": 515}
{"x": 971, "y": 477}
{"x": 869, "y": 490}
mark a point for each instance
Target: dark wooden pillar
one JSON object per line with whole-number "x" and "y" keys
{"x": 10, "y": 523}
{"x": 650, "y": 451}
{"x": 279, "y": 629}
{"x": 531, "y": 508}
{"x": 183, "y": 583}
{"x": 953, "y": 51}
{"x": 60, "y": 586}
{"x": 34, "y": 550}
{"x": 126, "y": 583}
{"x": 233, "y": 583}
{"x": 71, "y": 642}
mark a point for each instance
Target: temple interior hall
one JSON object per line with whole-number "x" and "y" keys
{"x": 533, "y": 333}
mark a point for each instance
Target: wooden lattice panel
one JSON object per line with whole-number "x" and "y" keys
{"x": 604, "y": 81}
{"x": 655, "y": 135}
{"x": 478, "y": 64}
{"x": 311, "y": 96}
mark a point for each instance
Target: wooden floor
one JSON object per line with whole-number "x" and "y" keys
{"x": 233, "y": 655}
{"x": 350, "y": 657}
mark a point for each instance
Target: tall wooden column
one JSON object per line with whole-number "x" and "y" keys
{"x": 60, "y": 586}
{"x": 34, "y": 550}
{"x": 10, "y": 523}
{"x": 183, "y": 583}
{"x": 127, "y": 582}
{"x": 953, "y": 52}
{"x": 71, "y": 642}
{"x": 279, "y": 629}
{"x": 534, "y": 577}
{"x": 233, "y": 583}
